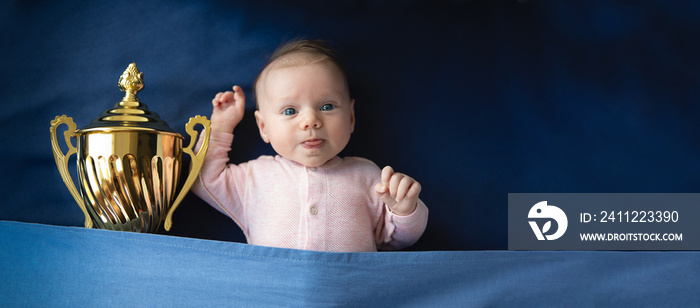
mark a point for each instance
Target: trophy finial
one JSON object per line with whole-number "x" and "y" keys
{"x": 130, "y": 112}
{"x": 131, "y": 81}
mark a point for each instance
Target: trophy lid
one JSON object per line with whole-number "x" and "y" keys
{"x": 130, "y": 113}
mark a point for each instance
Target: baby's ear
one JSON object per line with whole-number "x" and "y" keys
{"x": 261, "y": 126}
{"x": 352, "y": 115}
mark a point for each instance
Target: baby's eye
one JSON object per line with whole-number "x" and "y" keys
{"x": 289, "y": 111}
{"x": 327, "y": 107}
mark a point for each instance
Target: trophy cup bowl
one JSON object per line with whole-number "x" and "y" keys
{"x": 129, "y": 163}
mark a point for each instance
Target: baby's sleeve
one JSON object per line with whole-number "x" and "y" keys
{"x": 219, "y": 183}
{"x": 403, "y": 231}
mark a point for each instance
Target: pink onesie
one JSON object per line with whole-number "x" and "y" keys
{"x": 281, "y": 203}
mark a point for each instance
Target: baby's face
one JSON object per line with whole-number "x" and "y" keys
{"x": 305, "y": 112}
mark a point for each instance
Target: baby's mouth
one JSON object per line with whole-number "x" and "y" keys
{"x": 313, "y": 143}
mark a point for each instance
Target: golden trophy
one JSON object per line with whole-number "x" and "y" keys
{"x": 129, "y": 163}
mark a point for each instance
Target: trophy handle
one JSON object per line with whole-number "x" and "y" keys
{"x": 62, "y": 160}
{"x": 197, "y": 161}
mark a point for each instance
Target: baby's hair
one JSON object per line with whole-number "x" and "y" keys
{"x": 309, "y": 51}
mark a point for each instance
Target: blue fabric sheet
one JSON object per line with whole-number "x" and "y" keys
{"x": 45, "y": 265}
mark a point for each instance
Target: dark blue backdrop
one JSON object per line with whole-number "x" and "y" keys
{"x": 475, "y": 99}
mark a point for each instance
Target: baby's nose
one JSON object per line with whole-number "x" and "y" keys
{"x": 311, "y": 120}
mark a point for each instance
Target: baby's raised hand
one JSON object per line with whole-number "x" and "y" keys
{"x": 228, "y": 110}
{"x": 398, "y": 191}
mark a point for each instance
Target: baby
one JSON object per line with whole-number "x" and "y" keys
{"x": 306, "y": 197}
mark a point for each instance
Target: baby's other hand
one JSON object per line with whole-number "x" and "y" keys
{"x": 398, "y": 191}
{"x": 229, "y": 108}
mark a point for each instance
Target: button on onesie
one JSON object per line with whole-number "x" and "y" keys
{"x": 314, "y": 211}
